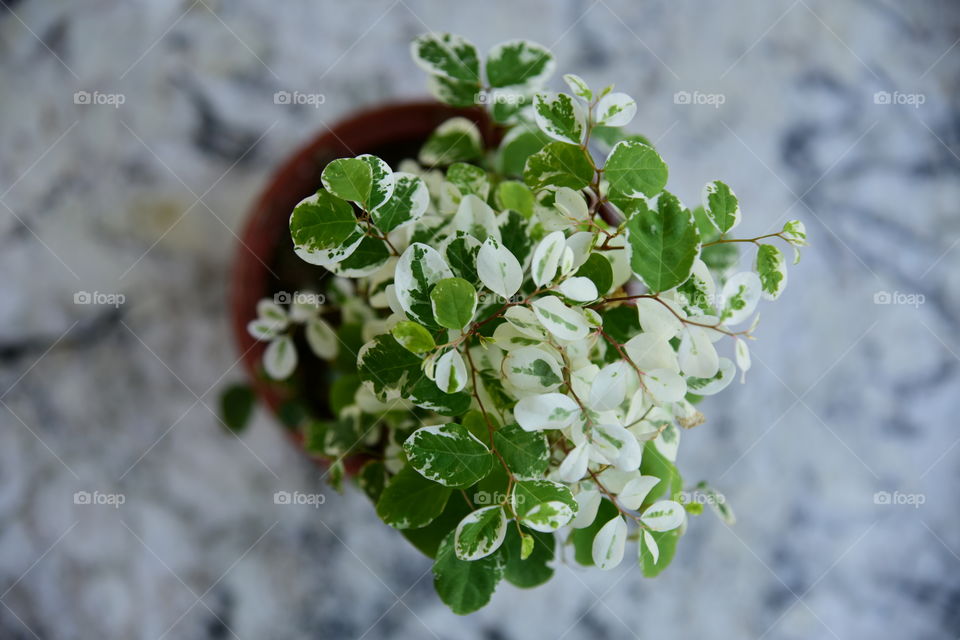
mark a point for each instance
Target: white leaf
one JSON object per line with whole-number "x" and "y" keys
{"x": 633, "y": 495}
{"x": 589, "y": 502}
{"x": 665, "y": 385}
{"x": 498, "y": 269}
{"x": 716, "y": 384}
{"x": 280, "y": 358}
{"x": 477, "y": 218}
{"x": 486, "y": 546}
{"x": 664, "y": 515}
{"x": 270, "y": 311}
{"x": 449, "y": 372}
{"x": 651, "y": 351}
{"x": 579, "y": 289}
{"x": 609, "y": 388}
{"x": 578, "y": 86}
{"x": 545, "y": 411}
{"x": 742, "y": 354}
{"x": 560, "y": 320}
{"x": 525, "y": 321}
{"x": 740, "y": 295}
{"x": 616, "y": 110}
{"x": 263, "y": 330}
{"x": 574, "y": 466}
{"x": 571, "y": 203}
{"x": 656, "y": 318}
{"x": 615, "y": 445}
{"x": 696, "y": 354}
{"x": 609, "y": 544}
{"x": 580, "y": 243}
{"x": 532, "y": 369}
{"x": 322, "y": 339}
{"x": 651, "y": 543}
{"x": 546, "y": 258}
{"x": 550, "y": 127}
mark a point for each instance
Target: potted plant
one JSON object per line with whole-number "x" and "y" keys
{"x": 503, "y": 338}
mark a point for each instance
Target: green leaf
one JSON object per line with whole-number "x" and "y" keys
{"x": 447, "y": 55}
{"x": 543, "y": 505}
{"x": 426, "y": 395}
{"x": 236, "y": 406}
{"x": 448, "y": 454}
{"x": 461, "y": 254}
{"x": 343, "y": 392}
{"x": 427, "y": 539}
{"x": 465, "y": 586}
{"x": 518, "y": 144}
{"x": 369, "y": 256}
{"x": 454, "y": 303}
{"x": 413, "y": 337}
{"x": 721, "y": 206}
{"x": 772, "y": 269}
{"x": 560, "y": 116}
{"x": 635, "y": 169}
{"x": 372, "y": 478}
{"x": 560, "y": 165}
{"x": 410, "y": 501}
{"x": 583, "y": 538}
{"x": 349, "y": 179}
{"x": 469, "y": 179}
{"x": 621, "y": 323}
{"x": 456, "y": 140}
{"x": 718, "y": 257}
{"x": 526, "y": 452}
{"x": 534, "y": 569}
{"x": 656, "y": 464}
{"x": 515, "y": 196}
{"x": 514, "y": 229}
{"x": 322, "y": 222}
{"x": 664, "y": 242}
{"x": 518, "y": 63}
{"x": 599, "y": 270}
{"x": 480, "y": 533}
{"x": 407, "y": 204}
{"x": 667, "y": 545}
{"x": 384, "y": 365}
{"x": 458, "y": 93}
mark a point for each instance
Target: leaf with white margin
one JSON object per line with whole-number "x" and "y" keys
{"x": 609, "y": 544}
{"x": 545, "y": 411}
{"x": 651, "y": 545}
{"x": 456, "y": 140}
{"x": 649, "y": 351}
{"x": 772, "y": 269}
{"x": 700, "y": 290}
{"x": 322, "y": 339}
{"x": 508, "y": 338}
{"x": 571, "y": 203}
{"x": 740, "y": 295}
{"x": 477, "y": 218}
{"x": 546, "y": 258}
{"x": 574, "y": 466}
{"x": 558, "y": 164}
{"x": 580, "y": 244}
{"x": 525, "y": 321}
{"x": 543, "y": 505}
{"x": 349, "y": 179}
{"x": 519, "y": 63}
{"x": 264, "y": 330}
{"x": 718, "y": 502}
{"x": 280, "y": 358}
{"x": 664, "y": 515}
{"x": 742, "y": 354}
{"x": 454, "y": 302}
{"x": 578, "y": 86}
{"x": 795, "y": 232}
{"x": 408, "y": 203}
{"x": 448, "y": 454}
{"x": 324, "y": 228}
{"x": 665, "y": 385}
{"x": 657, "y": 318}
{"x": 635, "y": 492}
{"x": 272, "y": 312}
{"x": 382, "y": 184}
{"x": 448, "y": 55}
{"x": 578, "y": 289}
{"x": 696, "y": 354}
{"x": 635, "y": 169}
{"x": 532, "y": 369}
{"x": 566, "y": 262}
{"x": 588, "y": 501}
{"x": 450, "y": 372}
{"x": 480, "y": 533}
{"x": 668, "y": 444}
{"x": 560, "y": 117}
{"x": 418, "y": 270}
{"x": 708, "y": 387}
{"x": 617, "y": 446}
{"x": 616, "y": 110}
{"x": 721, "y": 206}
{"x": 560, "y": 320}
{"x": 609, "y": 388}
{"x": 498, "y": 269}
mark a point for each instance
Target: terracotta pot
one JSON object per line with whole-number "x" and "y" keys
{"x": 392, "y": 132}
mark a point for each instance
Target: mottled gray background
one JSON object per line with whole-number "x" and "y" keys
{"x": 847, "y": 397}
